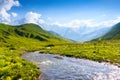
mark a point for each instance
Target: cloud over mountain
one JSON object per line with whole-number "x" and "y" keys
{"x": 32, "y": 17}
{"x": 76, "y": 24}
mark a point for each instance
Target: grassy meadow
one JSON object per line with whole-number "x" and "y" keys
{"x": 12, "y": 66}
{"x": 107, "y": 50}
{"x": 14, "y": 41}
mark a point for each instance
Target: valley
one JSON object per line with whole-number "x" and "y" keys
{"x": 17, "y": 40}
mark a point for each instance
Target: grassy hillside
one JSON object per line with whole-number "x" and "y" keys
{"x": 15, "y": 40}
{"x": 113, "y": 34}
{"x": 28, "y": 31}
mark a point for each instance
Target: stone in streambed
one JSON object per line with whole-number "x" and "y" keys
{"x": 58, "y": 57}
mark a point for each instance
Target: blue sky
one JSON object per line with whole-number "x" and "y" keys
{"x": 59, "y": 12}
{"x": 71, "y": 9}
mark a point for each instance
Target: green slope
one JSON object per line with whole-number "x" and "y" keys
{"x": 14, "y": 41}
{"x": 28, "y": 31}
{"x": 113, "y": 34}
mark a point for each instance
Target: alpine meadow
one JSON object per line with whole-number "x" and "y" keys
{"x": 59, "y": 40}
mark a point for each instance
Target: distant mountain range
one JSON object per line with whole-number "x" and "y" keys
{"x": 82, "y": 34}
{"x": 34, "y": 31}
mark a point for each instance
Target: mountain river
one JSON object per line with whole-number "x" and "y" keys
{"x": 55, "y": 67}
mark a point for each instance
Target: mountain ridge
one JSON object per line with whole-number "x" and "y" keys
{"x": 30, "y": 31}
{"x": 113, "y": 33}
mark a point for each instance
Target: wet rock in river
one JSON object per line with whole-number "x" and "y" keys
{"x": 58, "y": 57}
{"x": 117, "y": 64}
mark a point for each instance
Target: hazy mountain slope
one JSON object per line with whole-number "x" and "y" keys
{"x": 52, "y": 32}
{"x": 114, "y": 33}
{"x": 95, "y": 33}
{"x": 82, "y": 34}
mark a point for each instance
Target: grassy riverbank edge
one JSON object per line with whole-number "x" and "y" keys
{"x": 13, "y": 67}
{"x": 102, "y": 51}
{"x": 58, "y": 56}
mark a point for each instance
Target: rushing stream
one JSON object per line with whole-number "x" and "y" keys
{"x": 54, "y": 67}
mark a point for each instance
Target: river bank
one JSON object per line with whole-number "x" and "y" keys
{"x": 73, "y": 56}
{"x": 54, "y": 67}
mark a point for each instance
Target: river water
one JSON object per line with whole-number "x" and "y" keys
{"x": 55, "y": 67}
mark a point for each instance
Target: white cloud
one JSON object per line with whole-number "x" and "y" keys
{"x": 111, "y": 22}
{"x": 32, "y": 17}
{"x": 75, "y": 24}
{"x": 6, "y": 5}
{"x": 14, "y": 14}
{"x": 4, "y": 16}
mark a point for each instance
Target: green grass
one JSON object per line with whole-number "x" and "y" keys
{"x": 12, "y": 67}
{"x": 96, "y": 50}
